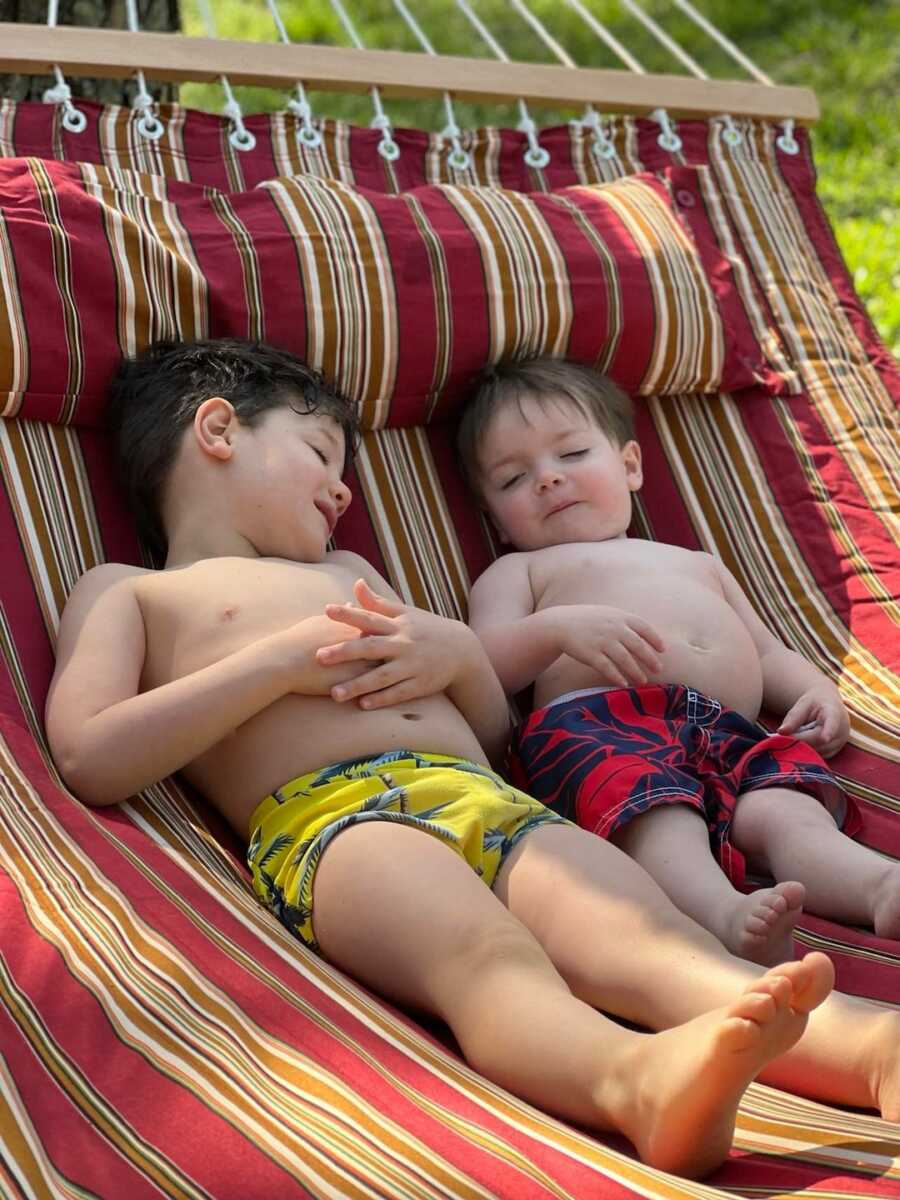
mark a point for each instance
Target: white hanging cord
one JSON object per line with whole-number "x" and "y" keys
{"x": 731, "y": 135}
{"x": 458, "y": 158}
{"x": 387, "y": 147}
{"x": 240, "y": 137}
{"x": 729, "y": 46}
{"x": 664, "y": 39}
{"x": 605, "y": 36}
{"x": 786, "y": 141}
{"x": 73, "y": 119}
{"x": 668, "y": 139}
{"x": 307, "y": 134}
{"x": 148, "y": 124}
{"x": 602, "y": 146}
{"x": 535, "y": 155}
{"x": 543, "y": 33}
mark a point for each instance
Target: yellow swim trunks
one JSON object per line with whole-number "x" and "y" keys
{"x": 464, "y": 804}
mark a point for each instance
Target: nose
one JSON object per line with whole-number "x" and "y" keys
{"x": 548, "y": 477}
{"x": 341, "y": 495}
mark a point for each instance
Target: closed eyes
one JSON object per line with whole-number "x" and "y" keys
{"x": 507, "y": 484}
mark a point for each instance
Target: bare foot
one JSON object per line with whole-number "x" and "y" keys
{"x": 886, "y": 905}
{"x": 761, "y": 928}
{"x": 690, "y": 1080}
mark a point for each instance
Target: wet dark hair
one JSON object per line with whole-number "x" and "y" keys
{"x": 542, "y": 379}
{"x": 153, "y": 399}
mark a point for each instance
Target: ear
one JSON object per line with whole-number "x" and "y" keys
{"x": 214, "y": 425}
{"x": 631, "y": 460}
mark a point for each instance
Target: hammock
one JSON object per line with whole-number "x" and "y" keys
{"x": 160, "y": 1033}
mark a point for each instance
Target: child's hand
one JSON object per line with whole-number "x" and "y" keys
{"x": 820, "y": 719}
{"x": 418, "y": 653}
{"x": 622, "y": 648}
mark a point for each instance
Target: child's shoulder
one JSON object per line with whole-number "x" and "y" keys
{"x": 514, "y": 565}
{"x": 101, "y": 578}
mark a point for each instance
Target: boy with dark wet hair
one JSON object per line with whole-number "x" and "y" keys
{"x": 349, "y": 743}
{"x": 649, "y": 667}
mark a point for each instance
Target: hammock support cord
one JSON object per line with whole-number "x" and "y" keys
{"x": 309, "y": 136}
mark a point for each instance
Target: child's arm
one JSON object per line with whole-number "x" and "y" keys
{"x": 814, "y": 711}
{"x": 418, "y": 654}
{"x": 521, "y": 643}
{"x": 109, "y": 740}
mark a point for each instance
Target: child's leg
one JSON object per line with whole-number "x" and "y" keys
{"x": 406, "y": 915}
{"x": 792, "y": 836}
{"x": 621, "y": 945}
{"x": 671, "y": 843}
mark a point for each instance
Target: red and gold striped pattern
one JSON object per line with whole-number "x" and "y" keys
{"x": 160, "y": 1033}
{"x": 400, "y": 300}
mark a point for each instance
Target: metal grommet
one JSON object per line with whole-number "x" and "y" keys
{"x": 603, "y": 149}
{"x": 786, "y": 141}
{"x": 242, "y": 139}
{"x": 536, "y": 156}
{"x": 459, "y": 160}
{"x": 74, "y": 120}
{"x": 788, "y": 144}
{"x": 669, "y": 141}
{"x": 311, "y": 138}
{"x": 149, "y": 126}
{"x": 389, "y": 149}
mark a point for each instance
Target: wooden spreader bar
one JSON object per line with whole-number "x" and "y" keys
{"x": 110, "y": 53}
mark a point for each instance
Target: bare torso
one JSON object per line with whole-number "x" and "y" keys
{"x": 199, "y": 614}
{"x": 677, "y": 591}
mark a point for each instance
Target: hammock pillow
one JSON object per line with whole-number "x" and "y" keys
{"x": 400, "y": 300}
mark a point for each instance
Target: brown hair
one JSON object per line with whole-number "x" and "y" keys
{"x": 542, "y": 379}
{"x": 153, "y": 398}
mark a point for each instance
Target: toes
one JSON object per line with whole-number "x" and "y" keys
{"x": 760, "y": 1007}
{"x": 758, "y": 926}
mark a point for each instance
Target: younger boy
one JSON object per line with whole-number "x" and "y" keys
{"x": 406, "y": 862}
{"x": 649, "y": 668}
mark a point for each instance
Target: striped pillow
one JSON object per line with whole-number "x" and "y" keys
{"x": 398, "y": 299}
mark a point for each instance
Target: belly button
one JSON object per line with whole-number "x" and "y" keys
{"x": 412, "y": 716}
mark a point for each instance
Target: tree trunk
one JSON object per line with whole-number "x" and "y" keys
{"x": 157, "y": 15}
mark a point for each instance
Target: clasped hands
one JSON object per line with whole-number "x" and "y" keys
{"x": 412, "y": 653}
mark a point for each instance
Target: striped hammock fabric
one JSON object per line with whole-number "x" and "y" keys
{"x": 160, "y": 1034}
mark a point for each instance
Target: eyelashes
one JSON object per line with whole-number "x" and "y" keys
{"x": 569, "y": 454}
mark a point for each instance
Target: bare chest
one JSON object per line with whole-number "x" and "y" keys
{"x": 196, "y": 615}
{"x": 651, "y": 580}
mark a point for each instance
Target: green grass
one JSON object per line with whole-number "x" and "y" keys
{"x": 847, "y": 50}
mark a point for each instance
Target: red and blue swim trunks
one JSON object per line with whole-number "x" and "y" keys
{"x": 603, "y": 756}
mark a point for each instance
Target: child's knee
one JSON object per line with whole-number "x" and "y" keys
{"x": 774, "y": 812}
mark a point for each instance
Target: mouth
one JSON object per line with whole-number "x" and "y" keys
{"x": 561, "y": 507}
{"x": 329, "y": 512}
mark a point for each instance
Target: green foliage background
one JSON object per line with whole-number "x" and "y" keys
{"x": 847, "y": 50}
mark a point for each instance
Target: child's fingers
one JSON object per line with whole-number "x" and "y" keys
{"x": 371, "y": 600}
{"x": 609, "y": 671}
{"x": 383, "y": 676}
{"x": 373, "y": 647}
{"x": 801, "y": 714}
{"x": 647, "y": 633}
{"x": 398, "y": 693}
{"x": 641, "y": 651}
{"x": 360, "y": 618}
